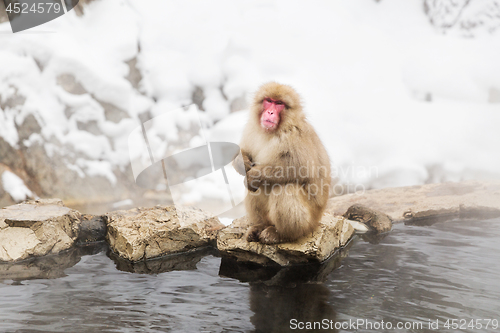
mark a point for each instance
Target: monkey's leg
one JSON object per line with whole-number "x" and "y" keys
{"x": 257, "y": 211}
{"x": 291, "y": 214}
{"x": 254, "y": 232}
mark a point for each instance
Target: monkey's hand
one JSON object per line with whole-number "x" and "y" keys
{"x": 254, "y": 179}
{"x": 275, "y": 174}
{"x": 242, "y": 163}
{"x": 247, "y": 160}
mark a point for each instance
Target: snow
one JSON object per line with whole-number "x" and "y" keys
{"x": 15, "y": 186}
{"x": 97, "y": 168}
{"x": 365, "y": 70}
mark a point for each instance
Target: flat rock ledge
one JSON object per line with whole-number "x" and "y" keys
{"x": 37, "y": 228}
{"x": 145, "y": 233}
{"x": 333, "y": 233}
{"x": 42, "y": 227}
{"x": 430, "y": 202}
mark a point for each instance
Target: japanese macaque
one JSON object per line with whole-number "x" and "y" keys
{"x": 286, "y": 166}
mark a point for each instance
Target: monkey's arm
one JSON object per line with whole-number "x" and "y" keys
{"x": 285, "y": 171}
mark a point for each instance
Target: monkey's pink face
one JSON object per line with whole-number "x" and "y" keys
{"x": 270, "y": 117}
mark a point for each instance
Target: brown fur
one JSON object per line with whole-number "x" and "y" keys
{"x": 287, "y": 215}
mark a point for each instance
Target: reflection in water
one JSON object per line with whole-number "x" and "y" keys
{"x": 281, "y": 297}
{"x": 96, "y": 297}
{"x": 175, "y": 262}
{"x": 374, "y": 238}
{"x": 48, "y": 267}
{"x": 282, "y": 276}
{"x": 275, "y": 307}
{"x": 444, "y": 271}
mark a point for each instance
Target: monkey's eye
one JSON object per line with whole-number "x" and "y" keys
{"x": 268, "y": 100}
{"x": 279, "y": 103}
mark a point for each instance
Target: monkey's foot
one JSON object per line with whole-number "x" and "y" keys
{"x": 253, "y": 233}
{"x": 269, "y": 236}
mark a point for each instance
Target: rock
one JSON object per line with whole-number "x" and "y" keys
{"x": 134, "y": 74}
{"x": 112, "y": 112}
{"x": 359, "y": 228}
{"x": 92, "y": 229}
{"x": 69, "y": 83}
{"x": 52, "y": 168}
{"x": 28, "y": 127}
{"x": 17, "y": 243}
{"x": 5, "y": 198}
{"x": 198, "y": 97}
{"x": 36, "y": 228}
{"x": 415, "y": 204}
{"x": 145, "y": 233}
{"x": 51, "y": 176}
{"x": 333, "y": 233}
{"x": 467, "y": 20}
{"x": 91, "y": 126}
{"x": 13, "y": 160}
{"x": 376, "y": 220}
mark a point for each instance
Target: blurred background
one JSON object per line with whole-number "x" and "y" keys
{"x": 401, "y": 92}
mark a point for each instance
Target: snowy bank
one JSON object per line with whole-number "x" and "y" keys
{"x": 399, "y": 95}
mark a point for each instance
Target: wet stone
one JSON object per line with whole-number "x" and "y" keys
{"x": 332, "y": 234}
{"x": 92, "y": 229}
{"x": 377, "y": 221}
